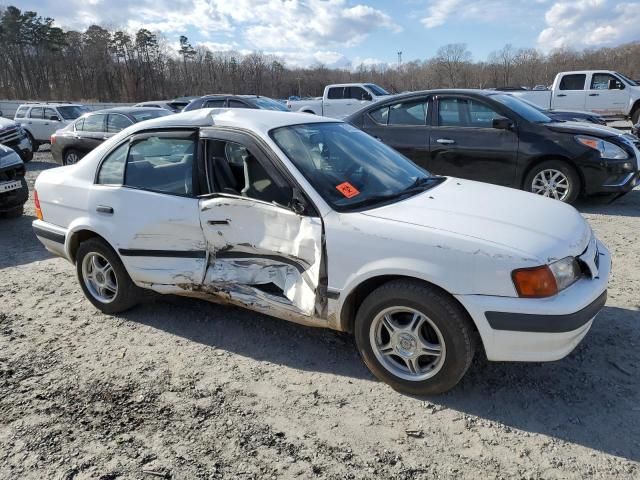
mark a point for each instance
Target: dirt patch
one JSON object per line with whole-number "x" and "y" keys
{"x": 182, "y": 389}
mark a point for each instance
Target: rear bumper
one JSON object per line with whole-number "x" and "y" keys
{"x": 51, "y": 236}
{"x": 528, "y": 329}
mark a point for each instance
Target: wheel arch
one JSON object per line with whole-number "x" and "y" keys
{"x": 77, "y": 237}
{"x": 545, "y": 158}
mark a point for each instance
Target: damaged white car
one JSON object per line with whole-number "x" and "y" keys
{"x": 311, "y": 220}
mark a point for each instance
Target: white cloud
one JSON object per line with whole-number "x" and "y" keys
{"x": 589, "y": 23}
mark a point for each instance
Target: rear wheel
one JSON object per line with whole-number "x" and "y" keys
{"x": 635, "y": 116}
{"x": 554, "y": 179}
{"x": 103, "y": 278}
{"x": 71, "y": 157}
{"x": 414, "y": 337}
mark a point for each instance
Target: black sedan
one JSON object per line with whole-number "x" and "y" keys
{"x": 493, "y": 137}
{"x": 70, "y": 144}
{"x": 236, "y": 101}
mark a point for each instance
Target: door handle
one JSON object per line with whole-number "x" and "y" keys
{"x": 594, "y": 94}
{"x": 562, "y": 95}
{"x": 218, "y": 222}
{"x": 445, "y": 141}
{"x": 104, "y": 209}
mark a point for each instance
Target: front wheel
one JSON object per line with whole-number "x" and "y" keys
{"x": 34, "y": 145}
{"x": 414, "y": 337}
{"x": 635, "y": 116}
{"x": 103, "y": 278}
{"x": 554, "y": 179}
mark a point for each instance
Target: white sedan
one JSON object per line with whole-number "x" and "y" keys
{"x": 311, "y": 220}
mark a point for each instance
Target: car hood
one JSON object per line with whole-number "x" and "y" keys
{"x": 531, "y": 225}
{"x": 583, "y": 129}
{"x": 5, "y": 122}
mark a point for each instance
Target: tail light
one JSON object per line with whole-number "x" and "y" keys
{"x": 53, "y": 139}
{"x": 36, "y": 201}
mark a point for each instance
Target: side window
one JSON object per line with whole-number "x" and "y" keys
{"x": 79, "y": 125}
{"x": 49, "y": 113}
{"x": 573, "y": 82}
{"x": 381, "y": 115}
{"x": 237, "y": 104}
{"x": 215, "y": 103}
{"x": 450, "y": 112}
{"x": 21, "y": 112}
{"x": 600, "y": 81}
{"x": 112, "y": 169}
{"x": 408, "y": 113}
{"x": 355, "y": 93}
{"x": 336, "y": 93}
{"x": 117, "y": 122}
{"x": 36, "y": 112}
{"x": 235, "y": 169}
{"x": 161, "y": 164}
{"x": 94, "y": 123}
{"x": 481, "y": 115}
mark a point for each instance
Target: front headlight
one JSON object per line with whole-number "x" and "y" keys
{"x": 607, "y": 150}
{"x": 546, "y": 280}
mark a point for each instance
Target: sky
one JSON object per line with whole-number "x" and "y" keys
{"x": 346, "y": 33}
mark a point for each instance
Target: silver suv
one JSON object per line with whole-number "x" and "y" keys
{"x": 41, "y": 120}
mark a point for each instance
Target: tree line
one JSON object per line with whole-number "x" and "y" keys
{"x": 41, "y": 61}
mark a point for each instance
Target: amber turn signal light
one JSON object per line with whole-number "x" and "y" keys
{"x": 37, "y": 204}
{"x": 536, "y": 282}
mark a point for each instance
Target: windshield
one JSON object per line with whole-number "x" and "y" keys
{"x": 148, "y": 114}
{"x": 269, "y": 104}
{"x": 347, "y": 167}
{"x": 526, "y": 111}
{"x": 376, "y": 90}
{"x": 73, "y": 112}
{"x": 628, "y": 80}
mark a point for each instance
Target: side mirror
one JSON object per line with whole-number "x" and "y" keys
{"x": 502, "y": 123}
{"x": 54, "y": 118}
{"x": 367, "y": 97}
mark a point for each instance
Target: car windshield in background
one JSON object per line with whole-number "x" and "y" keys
{"x": 143, "y": 115}
{"x": 376, "y": 90}
{"x": 629, "y": 81}
{"x": 73, "y": 112}
{"x": 269, "y": 104}
{"x": 349, "y": 168}
{"x": 526, "y": 111}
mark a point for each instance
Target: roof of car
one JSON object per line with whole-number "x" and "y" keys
{"x": 124, "y": 110}
{"x": 257, "y": 120}
{"x": 213, "y": 95}
{"x": 50, "y": 104}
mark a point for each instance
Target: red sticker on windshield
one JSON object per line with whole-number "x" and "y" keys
{"x": 347, "y": 190}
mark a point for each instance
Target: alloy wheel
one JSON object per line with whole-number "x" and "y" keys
{"x": 71, "y": 158}
{"x": 99, "y": 277}
{"x": 407, "y": 343}
{"x": 551, "y": 183}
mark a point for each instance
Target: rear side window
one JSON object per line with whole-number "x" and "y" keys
{"x": 237, "y": 104}
{"x": 408, "y": 113}
{"x": 336, "y": 93}
{"x": 381, "y": 115}
{"x": 214, "y": 103}
{"x": 573, "y": 82}
{"x": 94, "y": 123}
{"x": 36, "y": 112}
{"x": 21, "y": 112}
{"x": 79, "y": 125}
{"x": 161, "y": 164}
{"x": 112, "y": 169}
{"x": 117, "y": 122}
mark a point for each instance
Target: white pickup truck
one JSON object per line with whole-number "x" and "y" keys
{"x": 340, "y": 100}
{"x": 607, "y": 93}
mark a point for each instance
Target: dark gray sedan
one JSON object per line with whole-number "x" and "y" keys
{"x": 73, "y": 142}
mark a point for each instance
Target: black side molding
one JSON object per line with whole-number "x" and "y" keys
{"x": 525, "y": 322}
{"x": 48, "y": 234}
{"x": 163, "y": 253}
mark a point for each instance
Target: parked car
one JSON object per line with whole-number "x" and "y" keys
{"x": 174, "y": 106}
{"x": 340, "y": 100}
{"x": 41, "y": 120}
{"x": 73, "y": 142}
{"x": 13, "y": 136}
{"x": 14, "y": 190}
{"x": 313, "y": 221}
{"x": 494, "y": 137}
{"x": 607, "y": 93}
{"x": 235, "y": 101}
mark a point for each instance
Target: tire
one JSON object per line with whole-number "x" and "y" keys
{"x": 443, "y": 323}
{"x": 635, "y": 116}
{"x": 545, "y": 171}
{"x": 126, "y": 295}
{"x": 71, "y": 157}
{"x": 34, "y": 145}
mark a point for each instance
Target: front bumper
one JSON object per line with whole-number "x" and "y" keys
{"x": 545, "y": 329}
{"x": 22, "y": 147}
{"x": 14, "y": 198}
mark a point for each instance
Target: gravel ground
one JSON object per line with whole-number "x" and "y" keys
{"x": 184, "y": 389}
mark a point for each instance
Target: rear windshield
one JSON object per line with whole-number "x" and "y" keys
{"x": 376, "y": 90}
{"x": 270, "y": 104}
{"x": 72, "y": 112}
{"x": 143, "y": 115}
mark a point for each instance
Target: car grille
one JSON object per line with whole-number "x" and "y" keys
{"x": 14, "y": 172}
{"x": 10, "y": 135}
